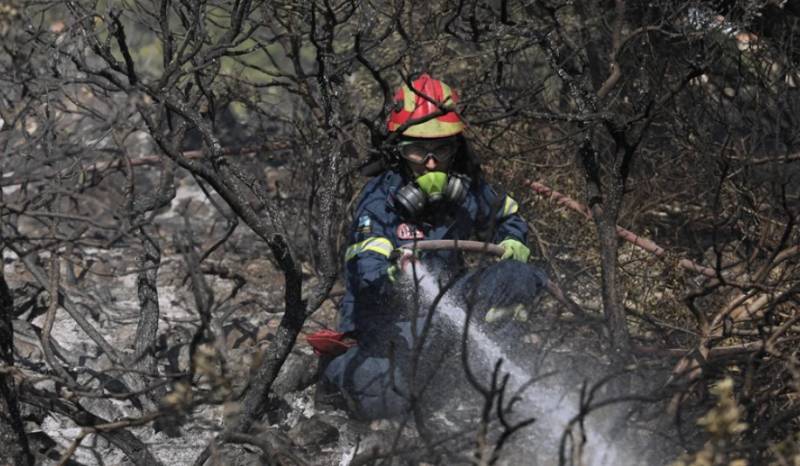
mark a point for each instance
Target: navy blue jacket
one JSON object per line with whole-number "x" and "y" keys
{"x": 379, "y": 227}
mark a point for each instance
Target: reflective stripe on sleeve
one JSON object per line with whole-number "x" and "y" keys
{"x": 510, "y": 207}
{"x": 378, "y": 244}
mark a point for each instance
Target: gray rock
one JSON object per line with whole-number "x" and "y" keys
{"x": 240, "y": 455}
{"x": 313, "y": 431}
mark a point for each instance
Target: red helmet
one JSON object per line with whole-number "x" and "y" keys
{"x": 413, "y": 106}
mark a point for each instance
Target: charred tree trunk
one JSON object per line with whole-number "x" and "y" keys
{"x": 149, "y": 262}
{"x": 144, "y": 358}
{"x": 579, "y": 67}
{"x": 147, "y": 328}
{"x": 13, "y": 441}
{"x": 613, "y": 305}
{"x": 605, "y": 200}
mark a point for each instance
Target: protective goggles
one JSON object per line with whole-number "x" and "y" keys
{"x": 418, "y": 152}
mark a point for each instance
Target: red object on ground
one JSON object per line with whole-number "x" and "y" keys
{"x": 329, "y": 342}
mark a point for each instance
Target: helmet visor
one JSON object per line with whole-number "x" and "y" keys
{"x": 418, "y": 152}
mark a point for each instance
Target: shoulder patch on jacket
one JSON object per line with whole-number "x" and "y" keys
{"x": 364, "y": 224}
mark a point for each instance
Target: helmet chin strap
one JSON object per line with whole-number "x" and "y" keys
{"x": 430, "y": 188}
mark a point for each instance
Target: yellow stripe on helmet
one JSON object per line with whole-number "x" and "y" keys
{"x": 434, "y": 129}
{"x": 447, "y": 95}
{"x": 409, "y": 99}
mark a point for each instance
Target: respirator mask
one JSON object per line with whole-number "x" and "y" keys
{"x": 431, "y": 188}
{"x": 434, "y": 186}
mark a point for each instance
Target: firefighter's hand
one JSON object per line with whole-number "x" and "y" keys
{"x": 401, "y": 259}
{"x": 515, "y": 250}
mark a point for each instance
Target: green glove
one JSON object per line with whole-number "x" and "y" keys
{"x": 392, "y": 272}
{"x": 515, "y": 250}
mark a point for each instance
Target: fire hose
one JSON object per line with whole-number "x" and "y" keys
{"x": 331, "y": 343}
{"x": 494, "y": 250}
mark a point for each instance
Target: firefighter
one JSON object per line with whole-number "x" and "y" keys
{"x": 434, "y": 190}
